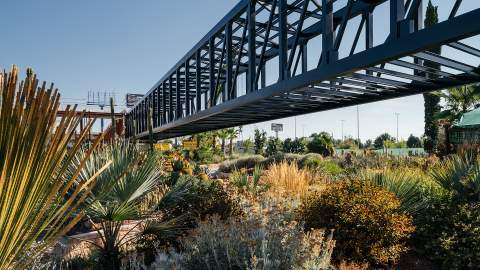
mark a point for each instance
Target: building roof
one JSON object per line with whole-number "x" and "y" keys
{"x": 469, "y": 120}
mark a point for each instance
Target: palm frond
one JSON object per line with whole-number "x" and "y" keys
{"x": 180, "y": 192}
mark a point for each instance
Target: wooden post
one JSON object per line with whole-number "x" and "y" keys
{"x": 112, "y": 115}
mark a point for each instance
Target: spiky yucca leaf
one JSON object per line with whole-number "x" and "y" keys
{"x": 460, "y": 174}
{"x": 407, "y": 187}
{"x": 36, "y": 201}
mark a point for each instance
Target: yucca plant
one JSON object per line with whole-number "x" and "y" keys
{"x": 460, "y": 175}
{"x": 407, "y": 187}
{"x": 35, "y": 208}
{"x": 119, "y": 207}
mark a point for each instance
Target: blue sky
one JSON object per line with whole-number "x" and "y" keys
{"x": 126, "y": 46}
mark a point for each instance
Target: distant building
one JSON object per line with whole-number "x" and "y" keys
{"x": 467, "y": 130}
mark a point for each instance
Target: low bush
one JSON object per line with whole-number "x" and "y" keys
{"x": 366, "y": 219}
{"x": 264, "y": 239}
{"x": 248, "y": 162}
{"x": 450, "y": 234}
{"x": 207, "y": 197}
{"x": 280, "y": 157}
{"x": 311, "y": 158}
{"x": 248, "y": 183}
{"x": 328, "y": 168}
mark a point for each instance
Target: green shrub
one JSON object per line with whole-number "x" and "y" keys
{"x": 203, "y": 155}
{"x": 330, "y": 167}
{"x": 206, "y": 198}
{"x": 312, "y": 163}
{"x": 450, "y": 234}
{"x": 368, "y": 226}
{"x": 280, "y": 157}
{"x": 259, "y": 141}
{"x": 297, "y": 146}
{"x": 274, "y": 146}
{"x": 321, "y": 144}
{"x": 248, "y": 162}
{"x": 306, "y": 158}
{"x": 384, "y": 140}
{"x": 245, "y": 182}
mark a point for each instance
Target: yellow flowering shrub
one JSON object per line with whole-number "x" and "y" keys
{"x": 368, "y": 226}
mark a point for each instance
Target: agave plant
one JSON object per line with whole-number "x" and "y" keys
{"x": 121, "y": 206}
{"x": 460, "y": 175}
{"x": 35, "y": 208}
{"x": 407, "y": 187}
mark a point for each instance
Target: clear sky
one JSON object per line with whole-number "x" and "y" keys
{"x": 126, "y": 46}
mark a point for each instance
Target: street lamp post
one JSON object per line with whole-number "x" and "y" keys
{"x": 358, "y": 127}
{"x": 397, "y": 115}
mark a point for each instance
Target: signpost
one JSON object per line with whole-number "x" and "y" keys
{"x": 277, "y": 128}
{"x": 189, "y": 145}
{"x": 132, "y": 99}
{"x": 163, "y": 146}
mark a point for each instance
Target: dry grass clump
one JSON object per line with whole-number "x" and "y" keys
{"x": 287, "y": 177}
{"x": 352, "y": 266}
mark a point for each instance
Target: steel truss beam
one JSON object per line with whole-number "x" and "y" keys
{"x": 201, "y": 92}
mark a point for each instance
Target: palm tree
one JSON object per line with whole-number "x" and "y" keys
{"x": 118, "y": 208}
{"x": 458, "y": 101}
{"x": 37, "y": 201}
{"x": 247, "y": 145}
{"x": 232, "y": 134}
{"x": 223, "y": 134}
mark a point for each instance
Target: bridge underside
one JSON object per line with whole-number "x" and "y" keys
{"x": 408, "y": 62}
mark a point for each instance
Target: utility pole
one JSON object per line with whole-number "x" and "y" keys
{"x": 397, "y": 115}
{"x": 358, "y": 127}
{"x": 295, "y": 127}
{"x": 343, "y": 121}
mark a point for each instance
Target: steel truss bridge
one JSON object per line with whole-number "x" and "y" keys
{"x": 270, "y": 59}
